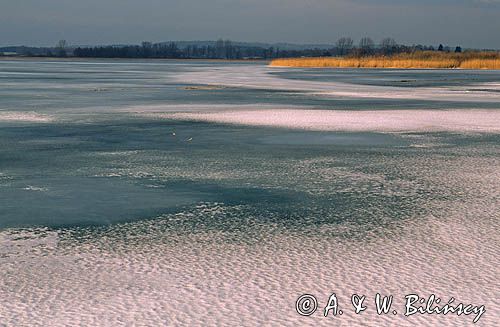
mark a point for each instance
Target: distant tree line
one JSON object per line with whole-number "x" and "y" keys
{"x": 226, "y": 49}
{"x": 387, "y": 46}
{"x": 222, "y": 49}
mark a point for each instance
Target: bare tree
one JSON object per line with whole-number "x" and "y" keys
{"x": 388, "y": 45}
{"x": 61, "y": 44}
{"x": 220, "y": 49}
{"x": 344, "y": 45}
{"x": 147, "y": 49}
{"x": 366, "y": 46}
{"x": 228, "y": 49}
{"x": 61, "y": 48}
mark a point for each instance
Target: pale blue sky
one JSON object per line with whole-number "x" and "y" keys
{"x": 470, "y": 23}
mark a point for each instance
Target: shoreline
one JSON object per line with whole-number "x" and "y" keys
{"x": 21, "y": 58}
{"x": 379, "y": 68}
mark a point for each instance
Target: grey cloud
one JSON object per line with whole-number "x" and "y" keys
{"x": 471, "y": 23}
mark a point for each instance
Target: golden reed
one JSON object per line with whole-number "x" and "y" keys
{"x": 423, "y": 59}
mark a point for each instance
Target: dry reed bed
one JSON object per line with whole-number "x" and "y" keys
{"x": 468, "y": 60}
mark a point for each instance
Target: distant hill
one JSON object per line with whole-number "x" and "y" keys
{"x": 280, "y": 45}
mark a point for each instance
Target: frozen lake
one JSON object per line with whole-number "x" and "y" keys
{"x": 213, "y": 193}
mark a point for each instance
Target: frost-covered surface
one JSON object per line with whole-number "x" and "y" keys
{"x": 6, "y": 116}
{"x": 433, "y": 230}
{"x": 483, "y": 121}
{"x": 258, "y": 78}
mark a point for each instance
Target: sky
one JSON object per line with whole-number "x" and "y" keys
{"x": 469, "y": 23}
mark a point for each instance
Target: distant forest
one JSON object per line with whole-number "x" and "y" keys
{"x": 226, "y": 49}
